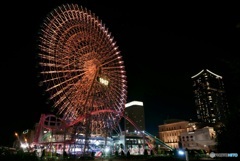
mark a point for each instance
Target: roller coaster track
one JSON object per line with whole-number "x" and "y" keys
{"x": 79, "y": 119}
{"x": 147, "y": 134}
{"x": 158, "y": 140}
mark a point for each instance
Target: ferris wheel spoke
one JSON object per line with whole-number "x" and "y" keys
{"x": 64, "y": 91}
{"x": 62, "y": 71}
{"x": 82, "y": 68}
{"x": 50, "y": 65}
{"x": 116, "y": 60}
{"x": 64, "y": 82}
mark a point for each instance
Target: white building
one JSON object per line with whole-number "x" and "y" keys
{"x": 203, "y": 138}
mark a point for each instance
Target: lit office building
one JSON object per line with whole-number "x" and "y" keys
{"x": 135, "y": 112}
{"x": 209, "y": 95}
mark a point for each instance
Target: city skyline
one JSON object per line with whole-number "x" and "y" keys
{"x": 162, "y": 45}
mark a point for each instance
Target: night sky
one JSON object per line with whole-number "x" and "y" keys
{"x": 162, "y": 44}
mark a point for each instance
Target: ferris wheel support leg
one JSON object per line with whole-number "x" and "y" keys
{"x": 87, "y": 133}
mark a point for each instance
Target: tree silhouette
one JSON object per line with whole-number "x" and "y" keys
{"x": 228, "y": 134}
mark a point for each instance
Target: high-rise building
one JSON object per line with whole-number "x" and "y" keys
{"x": 135, "y": 112}
{"x": 210, "y": 97}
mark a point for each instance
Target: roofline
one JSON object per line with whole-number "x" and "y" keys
{"x": 177, "y": 122}
{"x": 197, "y": 74}
{"x": 137, "y": 103}
{"x": 217, "y": 76}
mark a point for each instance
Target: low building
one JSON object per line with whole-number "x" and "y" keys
{"x": 171, "y": 130}
{"x": 200, "y": 139}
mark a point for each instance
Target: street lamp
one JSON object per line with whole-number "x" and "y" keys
{"x": 16, "y": 134}
{"x": 183, "y": 153}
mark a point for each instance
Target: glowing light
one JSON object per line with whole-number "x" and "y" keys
{"x": 97, "y": 142}
{"x": 137, "y": 103}
{"x": 24, "y": 145}
{"x": 25, "y": 132}
{"x": 107, "y": 149}
{"x": 197, "y": 74}
{"x": 218, "y": 76}
{"x": 103, "y": 81}
{"x": 181, "y": 152}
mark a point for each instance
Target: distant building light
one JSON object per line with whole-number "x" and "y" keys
{"x": 138, "y": 103}
{"x": 218, "y": 76}
{"x": 197, "y": 74}
{"x": 25, "y": 132}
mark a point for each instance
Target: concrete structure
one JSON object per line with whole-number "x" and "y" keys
{"x": 203, "y": 139}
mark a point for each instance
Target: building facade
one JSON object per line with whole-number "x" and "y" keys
{"x": 135, "y": 112}
{"x": 188, "y": 135}
{"x": 209, "y": 96}
{"x": 171, "y": 130}
{"x": 200, "y": 139}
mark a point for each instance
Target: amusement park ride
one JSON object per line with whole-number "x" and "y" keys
{"x": 84, "y": 74}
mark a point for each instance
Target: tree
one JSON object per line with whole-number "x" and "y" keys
{"x": 145, "y": 152}
{"x": 128, "y": 153}
{"x": 122, "y": 153}
{"x": 228, "y": 134}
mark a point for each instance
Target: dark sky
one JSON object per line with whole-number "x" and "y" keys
{"x": 162, "y": 44}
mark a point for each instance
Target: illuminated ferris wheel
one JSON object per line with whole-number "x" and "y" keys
{"x": 82, "y": 69}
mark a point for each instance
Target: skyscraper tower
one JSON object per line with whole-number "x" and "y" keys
{"x": 135, "y": 111}
{"x": 210, "y": 97}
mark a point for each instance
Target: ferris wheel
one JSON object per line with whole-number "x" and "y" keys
{"x": 82, "y": 68}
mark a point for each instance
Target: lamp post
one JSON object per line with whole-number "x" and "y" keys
{"x": 16, "y": 134}
{"x": 183, "y": 153}
{"x": 26, "y": 142}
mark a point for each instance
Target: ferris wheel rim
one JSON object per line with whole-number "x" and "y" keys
{"x": 82, "y": 66}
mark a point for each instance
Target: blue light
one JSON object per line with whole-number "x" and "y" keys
{"x": 180, "y": 152}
